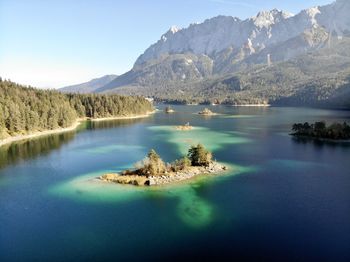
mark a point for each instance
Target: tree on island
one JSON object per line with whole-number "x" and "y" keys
{"x": 181, "y": 164}
{"x": 153, "y": 165}
{"x": 321, "y": 130}
{"x": 199, "y": 156}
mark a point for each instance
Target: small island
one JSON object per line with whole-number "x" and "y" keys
{"x": 185, "y": 127}
{"x": 206, "y": 112}
{"x": 319, "y": 130}
{"x": 169, "y": 110}
{"x": 152, "y": 170}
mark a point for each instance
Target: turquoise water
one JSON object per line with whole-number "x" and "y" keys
{"x": 281, "y": 195}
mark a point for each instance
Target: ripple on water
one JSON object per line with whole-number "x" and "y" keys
{"x": 296, "y": 164}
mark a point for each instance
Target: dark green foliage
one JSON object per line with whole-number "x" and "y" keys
{"x": 321, "y": 130}
{"x": 98, "y": 106}
{"x": 26, "y": 109}
{"x": 199, "y": 156}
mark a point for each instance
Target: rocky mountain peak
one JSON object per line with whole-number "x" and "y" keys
{"x": 268, "y": 18}
{"x": 238, "y": 39}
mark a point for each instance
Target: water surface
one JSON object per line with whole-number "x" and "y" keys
{"x": 284, "y": 199}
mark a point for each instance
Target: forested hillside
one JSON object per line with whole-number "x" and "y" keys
{"x": 24, "y": 109}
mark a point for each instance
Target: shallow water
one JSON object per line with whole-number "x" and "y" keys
{"x": 283, "y": 199}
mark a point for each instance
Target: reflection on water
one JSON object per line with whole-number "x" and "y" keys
{"x": 28, "y": 149}
{"x": 320, "y": 143}
{"x": 114, "y": 123}
{"x": 31, "y": 148}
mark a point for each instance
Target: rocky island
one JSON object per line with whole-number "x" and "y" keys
{"x": 169, "y": 110}
{"x": 152, "y": 171}
{"x": 206, "y": 112}
{"x": 185, "y": 127}
{"x": 319, "y": 130}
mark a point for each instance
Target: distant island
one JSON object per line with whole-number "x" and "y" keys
{"x": 185, "y": 127}
{"x": 206, "y": 112}
{"x": 169, "y": 110}
{"x": 320, "y": 130}
{"x": 153, "y": 171}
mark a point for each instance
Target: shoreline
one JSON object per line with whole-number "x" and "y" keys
{"x": 120, "y": 117}
{"x": 252, "y": 105}
{"x": 17, "y": 138}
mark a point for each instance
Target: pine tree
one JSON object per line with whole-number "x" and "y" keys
{"x": 199, "y": 156}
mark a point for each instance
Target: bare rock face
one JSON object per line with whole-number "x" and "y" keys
{"x": 257, "y": 33}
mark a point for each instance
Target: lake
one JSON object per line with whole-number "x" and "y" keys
{"x": 284, "y": 200}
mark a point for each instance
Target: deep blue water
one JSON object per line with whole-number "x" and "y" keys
{"x": 286, "y": 199}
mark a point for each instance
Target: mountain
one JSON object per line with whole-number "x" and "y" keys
{"x": 318, "y": 78}
{"x": 190, "y": 60}
{"x": 89, "y": 87}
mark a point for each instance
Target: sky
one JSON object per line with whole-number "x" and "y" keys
{"x": 54, "y": 43}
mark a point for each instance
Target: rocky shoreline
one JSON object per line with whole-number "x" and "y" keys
{"x": 214, "y": 168}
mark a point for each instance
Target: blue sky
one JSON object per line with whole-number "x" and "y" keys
{"x": 53, "y": 43}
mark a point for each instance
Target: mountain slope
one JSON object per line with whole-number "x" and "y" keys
{"x": 320, "y": 77}
{"x": 207, "y": 60}
{"x": 90, "y": 86}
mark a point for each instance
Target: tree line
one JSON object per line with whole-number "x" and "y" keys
{"x": 27, "y": 109}
{"x": 335, "y": 131}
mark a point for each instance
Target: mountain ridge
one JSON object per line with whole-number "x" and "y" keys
{"x": 89, "y": 86}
